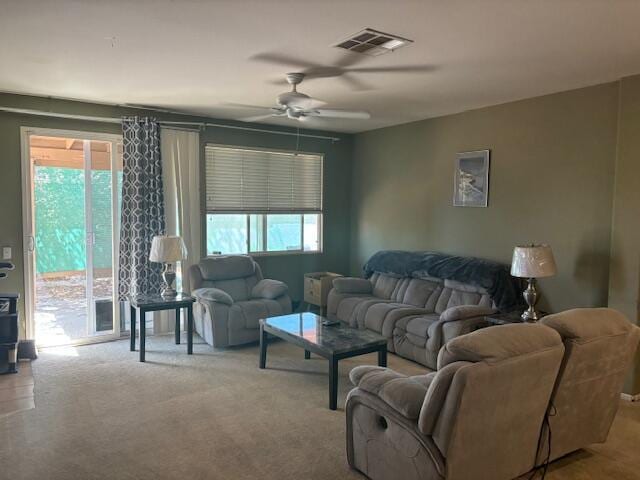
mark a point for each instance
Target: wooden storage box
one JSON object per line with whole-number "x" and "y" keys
{"x": 317, "y": 286}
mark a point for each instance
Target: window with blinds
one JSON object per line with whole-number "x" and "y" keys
{"x": 262, "y": 202}
{"x": 247, "y": 180}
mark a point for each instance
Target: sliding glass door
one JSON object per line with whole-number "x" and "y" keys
{"x": 72, "y": 190}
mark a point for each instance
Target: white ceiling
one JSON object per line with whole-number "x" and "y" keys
{"x": 197, "y": 55}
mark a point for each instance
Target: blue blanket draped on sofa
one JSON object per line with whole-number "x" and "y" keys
{"x": 504, "y": 289}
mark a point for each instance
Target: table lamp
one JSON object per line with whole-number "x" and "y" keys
{"x": 167, "y": 249}
{"x": 532, "y": 262}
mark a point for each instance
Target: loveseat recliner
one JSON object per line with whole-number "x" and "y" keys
{"x": 418, "y": 312}
{"x": 231, "y": 298}
{"x": 479, "y": 416}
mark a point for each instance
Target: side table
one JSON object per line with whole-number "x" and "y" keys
{"x": 316, "y": 289}
{"x": 508, "y": 317}
{"x": 154, "y": 303}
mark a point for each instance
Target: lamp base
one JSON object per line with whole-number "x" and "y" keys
{"x": 168, "y": 292}
{"x": 169, "y": 276}
{"x": 531, "y": 297}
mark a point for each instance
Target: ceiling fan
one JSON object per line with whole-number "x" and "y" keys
{"x": 299, "y": 106}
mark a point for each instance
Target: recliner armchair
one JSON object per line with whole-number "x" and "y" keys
{"x": 479, "y": 416}
{"x": 231, "y": 298}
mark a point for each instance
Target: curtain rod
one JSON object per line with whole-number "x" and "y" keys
{"x": 88, "y": 118}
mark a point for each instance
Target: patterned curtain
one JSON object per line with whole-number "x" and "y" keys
{"x": 142, "y": 208}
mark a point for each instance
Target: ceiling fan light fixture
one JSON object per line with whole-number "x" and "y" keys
{"x": 372, "y": 42}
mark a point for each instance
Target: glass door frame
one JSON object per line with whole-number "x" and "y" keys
{"x": 28, "y": 226}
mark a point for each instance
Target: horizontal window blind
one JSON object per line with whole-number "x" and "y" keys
{"x": 245, "y": 180}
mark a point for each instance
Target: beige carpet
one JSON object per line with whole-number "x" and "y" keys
{"x": 100, "y": 414}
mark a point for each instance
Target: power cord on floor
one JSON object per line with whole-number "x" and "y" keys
{"x": 551, "y": 412}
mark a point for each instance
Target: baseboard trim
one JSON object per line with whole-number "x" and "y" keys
{"x": 630, "y": 398}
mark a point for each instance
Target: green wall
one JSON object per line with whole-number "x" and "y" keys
{"x": 551, "y": 180}
{"x": 288, "y": 268}
{"x": 624, "y": 281}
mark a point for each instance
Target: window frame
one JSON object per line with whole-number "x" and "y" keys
{"x": 264, "y": 213}
{"x": 320, "y": 249}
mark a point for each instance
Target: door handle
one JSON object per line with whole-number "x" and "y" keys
{"x": 31, "y": 244}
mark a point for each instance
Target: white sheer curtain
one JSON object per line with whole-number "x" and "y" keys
{"x": 180, "y": 153}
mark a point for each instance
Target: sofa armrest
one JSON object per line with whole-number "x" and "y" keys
{"x": 404, "y": 394}
{"x": 213, "y": 295}
{"x": 465, "y": 311}
{"x": 352, "y": 285}
{"x": 269, "y": 289}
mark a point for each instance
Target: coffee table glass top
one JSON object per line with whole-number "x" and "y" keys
{"x": 307, "y": 328}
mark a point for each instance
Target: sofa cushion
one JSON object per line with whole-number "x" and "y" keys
{"x": 269, "y": 289}
{"x": 455, "y": 293}
{"x": 347, "y": 308}
{"x": 352, "y": 285}
{"x": 382, "y": 317}
{"x": 384, "y": 285}
{"x": 418, "y": 328}
{"x": 225, "y": 267}
{"x": 494, "y": 344}
{"x": 422, "y": 293}
{"x": 238, "y": 288}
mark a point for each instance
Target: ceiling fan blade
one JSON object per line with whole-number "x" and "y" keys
{"x": 280, "y": 59}
{"x": 258, "y": 118}
{"x": 354, "y": 83}
{"x": 334, "y": 113}
{"x": 349, "y": 58}
{"x": 401, "y": 68}
{"x": 245, "y": 106}
{"x": 315, "y": 103}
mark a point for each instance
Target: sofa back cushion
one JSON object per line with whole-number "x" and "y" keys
{"x": 422, "y": 293}
{"x": 384, "y": 285}
{"x": 432, "y": 294}
{"x": 455, "y": 294}
{"x": 234, "y": 274}
{"x": 225, "y": 267}
{"x": 492, "y": 388}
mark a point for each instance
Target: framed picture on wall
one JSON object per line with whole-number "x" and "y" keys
{"x": 471, "y": 179}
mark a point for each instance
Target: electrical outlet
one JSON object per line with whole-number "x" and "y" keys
{"x": 6, "y": 253}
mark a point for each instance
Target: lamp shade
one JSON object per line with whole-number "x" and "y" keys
{"x": 167, "y": 249}
{"x": 534, "y": 261}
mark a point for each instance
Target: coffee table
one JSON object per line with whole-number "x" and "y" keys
{"x": 334, "y": 342}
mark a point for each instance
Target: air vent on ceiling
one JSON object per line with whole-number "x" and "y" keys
{"x": 373, "y": 42}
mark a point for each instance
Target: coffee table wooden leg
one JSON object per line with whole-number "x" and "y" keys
{"x": 307, "y": 354}
{"x": 333, "y": 383}
{"x": 382, "y": 357}
{"x": 263, "y": 347}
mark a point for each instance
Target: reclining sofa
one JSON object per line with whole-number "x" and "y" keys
{"x": 421, "y": 300}
{"x": 503, "y": 400}
{"x": 232, "y": 297}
